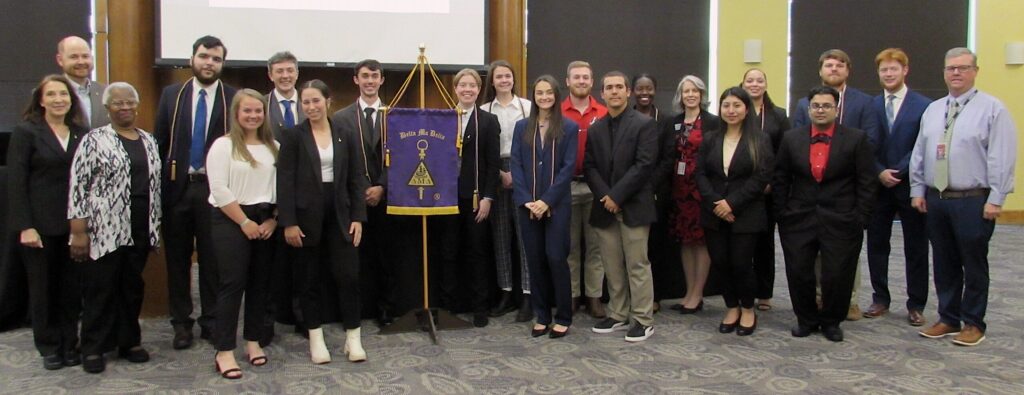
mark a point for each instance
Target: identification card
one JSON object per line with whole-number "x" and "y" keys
{"x": 680, "y": 168}
{"x": 679, "y": 127}
{"x": 940, "y": 151}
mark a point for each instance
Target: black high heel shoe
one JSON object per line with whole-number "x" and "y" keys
{"x": 686, "y": 310}
{"x": 556, "y": 334}
{"x": 728, "y": 328}
{"x": 540, "y": 332}
{"x": 745, "y": 330}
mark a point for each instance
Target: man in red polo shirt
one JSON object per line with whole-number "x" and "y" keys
{"x": 824, "y": 192}
{"x": 583, "y": 109}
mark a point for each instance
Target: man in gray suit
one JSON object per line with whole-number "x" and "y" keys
{"x": 620, "y": 154}
{"x": 75, "y": 57}
{"x": 283, "y": 102}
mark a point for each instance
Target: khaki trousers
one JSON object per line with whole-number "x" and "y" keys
{"x": 630, "y": 285}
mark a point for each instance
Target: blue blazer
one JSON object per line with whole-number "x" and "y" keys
{"x": 893, "y": 147}
{"x": 554, "y": 191}
{"x": 858, "y": 112}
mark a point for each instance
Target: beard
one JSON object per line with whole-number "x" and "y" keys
{"x": 579, "y": 92}
{"x": 203, "y": 80}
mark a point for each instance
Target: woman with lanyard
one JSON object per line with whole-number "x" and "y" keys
{"x": 321, "y": 206}
{"x": 509, "y": 108}
{"x": 39, "y": 161}
{"x": 681, "y": 138}
{"x": 734, "y": 166}
{"x": 241, "y": 167}
{"x": 773, "y": 121}
{"x": 543, "y": 159}
{"x": 468, "y": 233}
{"x": 114, "y": 208}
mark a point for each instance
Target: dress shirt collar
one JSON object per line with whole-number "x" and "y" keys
{"x": 900, "y": 93}
{"x": 830, "y": 132}
{"x": 363, "y": 104}
{"x": 279, "y": 96}
{"x": 211, "y": 90}
{"x": 84, "y": 88}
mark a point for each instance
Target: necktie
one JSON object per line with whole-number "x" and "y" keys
{"x": 890, "y": 110}
{"x": 368, "y": 115}
{"x": 198, "y": 149}
{"x": 942, "y": 161}
{"x": 289, "y": 118}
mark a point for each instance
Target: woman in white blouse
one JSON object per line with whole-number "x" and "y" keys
{"x": 241, "y": 167}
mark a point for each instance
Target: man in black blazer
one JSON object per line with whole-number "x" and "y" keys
{"x": 854, "y": 110}
{"x": 190, "y": 116}
{"x": 284, "y": 109}
{"x": 824, "y": 191}
{"x": 75, "y": 58}
{"x": 376, "y": 257}
{"x": 620, "y": 154}
{"x": 899, "y": 112}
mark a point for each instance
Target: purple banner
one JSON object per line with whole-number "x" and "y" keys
{"x": 423, "y": 173}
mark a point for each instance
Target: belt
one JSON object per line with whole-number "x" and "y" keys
{"x": 949, "y": 194}
{"x": 196, "y": 177}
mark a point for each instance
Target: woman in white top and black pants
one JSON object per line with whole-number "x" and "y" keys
{"x": 241, "y": 167}
{"x": 321, "y": 189}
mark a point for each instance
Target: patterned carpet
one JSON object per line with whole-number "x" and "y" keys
{"x": 686, "y": 355}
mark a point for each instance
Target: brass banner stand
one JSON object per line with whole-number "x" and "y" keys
{"x": 428, "y": 319}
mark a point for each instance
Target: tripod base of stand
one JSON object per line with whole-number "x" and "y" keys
{"x": 426, "y": 320}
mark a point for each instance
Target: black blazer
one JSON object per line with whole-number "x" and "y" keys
{"x": 840, "y": 205}
{"x": 176, "y": 107}
{"x": 300, "y": 197}
{"x": 620, "y": 166}
{"x": 668, "y": 154}
{"x": 40, "y": 171}
{"x": 488, "y": 156}
{"x": 775, "y": 124}
{"x": 743, "y": 188}
{"x": 372, "y": 150}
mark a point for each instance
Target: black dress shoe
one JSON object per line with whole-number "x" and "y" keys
{"x": 556, "y": 334}
{"x": 802, "y": 331}
{"x": 728, "y": 328}
{"x": 746, "y": 330}
{"x": 505, "y": 305}
{"x": 525, "y": 310}
{"x": 687, "y": 310}
{"x": 72, "y": 358}
{"x": 480, "y": 319}
{"x": 182, "y": 338}
{"x": 135, "y": 354}
{"x": 832, "y": 333}
{"x": 53, "y": 362}
{"x": 94, "y": 364}
{"x": 539, "y": 332}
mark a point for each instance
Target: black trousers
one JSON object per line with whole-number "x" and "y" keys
{"x": 341, "y": 259}
{"x": 732, "y": 257}
{"x": 764, "y": 256}
{"x": 243, "y": 269}
{"x": 55, "y": 296}
{"x": 465, "y": 247}
{"x": 915, "y": 247}
{"x": 377, "y": 258}
{"x": 838, "y": 266}
{"x": 112, "y": 290}
{"x": 186, "y": 227}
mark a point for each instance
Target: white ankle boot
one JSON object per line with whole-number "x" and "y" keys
{"x": 354, "y": 346}
{"x": 317, "y": 348}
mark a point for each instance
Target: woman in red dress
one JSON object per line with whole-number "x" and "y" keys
{"x": 680, "y": 143}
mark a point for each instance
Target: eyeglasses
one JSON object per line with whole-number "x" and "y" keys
{"x": 124, "y": 104}
{"x": 961, "y": 69}
{"x": 822, "y": 107}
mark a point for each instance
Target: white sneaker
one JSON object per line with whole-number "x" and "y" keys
{"x": 609, "y": 325}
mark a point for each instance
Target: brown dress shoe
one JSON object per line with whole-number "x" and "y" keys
{"x": 876, "y": 310}
{"x": 969, "y": 336}
{"x": 854, "y": 313}
{"x": 940, "y": 330}
{"x": 596, "y": 308}
{"x": 915, "y": 318}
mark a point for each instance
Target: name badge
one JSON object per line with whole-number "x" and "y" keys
{"x": 679, "y": 127}
{"x": 680, "y": 168}
{"x": 940, "y": 151}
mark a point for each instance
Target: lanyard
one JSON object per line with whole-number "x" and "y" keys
{"x": 951, "y": 121}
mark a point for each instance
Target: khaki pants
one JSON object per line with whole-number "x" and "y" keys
{"x": 593, "y": 275}
{"x": 630, "y": 286}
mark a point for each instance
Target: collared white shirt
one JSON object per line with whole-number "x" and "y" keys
{"x": 82, "y": 91}
{"x": 294, "y": 104}
{"x": 375, "y": 106}
{"x": 901, "y": 94}
{"x": 211, "y": 93}
{"x": 467, "y": 114}
{"x": 517, "y": 109}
